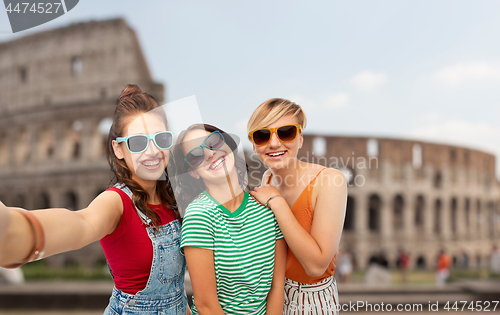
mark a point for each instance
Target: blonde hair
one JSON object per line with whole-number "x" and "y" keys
{"x": 272, "y": 110}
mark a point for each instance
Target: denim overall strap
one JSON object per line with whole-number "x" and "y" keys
{"x": 164, "y": 292}
{"x": 127, "y": 190}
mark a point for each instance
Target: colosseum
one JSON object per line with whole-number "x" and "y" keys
{"x": 55, "y": 114}
{"x": 415, "y": 196}
{"x": 60, "y": 88}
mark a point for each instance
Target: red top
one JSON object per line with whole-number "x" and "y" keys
{"x": 128, "y": 249}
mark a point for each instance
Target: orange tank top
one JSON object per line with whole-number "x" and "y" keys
{"x": 303, "y": 211}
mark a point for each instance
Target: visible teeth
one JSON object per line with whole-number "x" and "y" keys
{"x": 277, "y": 153}
{"x": 151, "y": 163}
{"x": 219, "y": 162}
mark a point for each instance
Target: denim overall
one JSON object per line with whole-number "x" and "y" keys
{"x": 164, "y": 292}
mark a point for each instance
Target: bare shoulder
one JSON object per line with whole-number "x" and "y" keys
{"x": 107, "y": 201}
{"x": 332, "y": 173}
{"x": 329, "y": 186}
{"x": 330, "y": 178}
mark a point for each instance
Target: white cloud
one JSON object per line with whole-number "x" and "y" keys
{"x": 241, "y": 125}
{"x": 331, "y": 101}
{"x": 460, "y": 74}
{"x": 339, "y": 100}
{"x": 369, "y": 80}
{"x": 304, "y": 102}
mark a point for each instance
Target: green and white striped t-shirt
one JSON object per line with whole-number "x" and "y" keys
{"x": 243, "y": 243}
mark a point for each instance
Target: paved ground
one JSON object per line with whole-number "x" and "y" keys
{"x": 62, "y": 297}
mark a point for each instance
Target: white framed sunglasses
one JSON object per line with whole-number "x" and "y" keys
{"x": 139, "y": 143}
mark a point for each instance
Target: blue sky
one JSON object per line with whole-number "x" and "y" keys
{"x": 421, "y": 69}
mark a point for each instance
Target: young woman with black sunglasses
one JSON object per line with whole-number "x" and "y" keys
{"x": 309, "y": 202}
{"x": 136, "y": 221}
{"x": 234, "y": 249}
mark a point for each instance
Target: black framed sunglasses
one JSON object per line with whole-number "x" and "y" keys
{"x": 139, "y": 143}
{"x": 213, "y": 141}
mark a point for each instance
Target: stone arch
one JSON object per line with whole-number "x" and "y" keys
{"x": 372, "y": 148}
{"x": 23, "y": 74}
{"x": 100, "y": 137}
{"x": 491, "y": 220}
{"x": 319, "y": 146}
{"x": 350, "y": 214}
{"x": 467, "y": 214}
{"x": 374, "y": 213}
{"x": 398, "y": 209}
{"x": 420, "y": 212}
{"x": 349, "y": 175}
{"x": 420, "y": 262}
{"x": 76, "y": 66}
{"x": 4, "y": 148}
{"x": 379, "y": 258}
{"x": 437, "y": 216}
{"x": 479, "y": 217}
{"x": 22, "y": 146}
{"x": 453, "y": 155}
{"x": 453, "y": 213}
{"x": 70, "y": 200}
{"x": 478, "y": 261}
{"x": 42, "y": 201}
{"x": 372, "y": 259}
{"x": 46, "y": 143}
{"x": 73, "y": 140}
{"x": 19, "y": 201}
{"x": 438, "y": 180}
{"x": 417, "y": 156}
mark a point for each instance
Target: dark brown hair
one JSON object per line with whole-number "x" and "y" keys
{"x": 130, "y": 103}
{"x": 189, "y": 188}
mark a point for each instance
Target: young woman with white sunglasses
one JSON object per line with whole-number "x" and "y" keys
{"x": 136, "y": 221}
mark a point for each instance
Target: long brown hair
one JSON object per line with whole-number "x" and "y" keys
{"x": 133, "y": 102}
{"x": 189, "y": 188}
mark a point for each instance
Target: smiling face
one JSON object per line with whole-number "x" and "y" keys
{"x": 277, "y": 154}
{"x": 150, "y": 164}
{"x": 212, "y": 168}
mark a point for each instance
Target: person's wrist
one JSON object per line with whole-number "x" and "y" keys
{"x": 38, "y": 235}
{"x": 272, "y": 200}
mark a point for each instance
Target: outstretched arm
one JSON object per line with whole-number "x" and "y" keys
{"x": 4, "y": 223}
{"x": 275, "y": 297}
{"x": 64, "y": 230}
{"x": 316, "y": 249}
{"x": 201, "y": 267}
